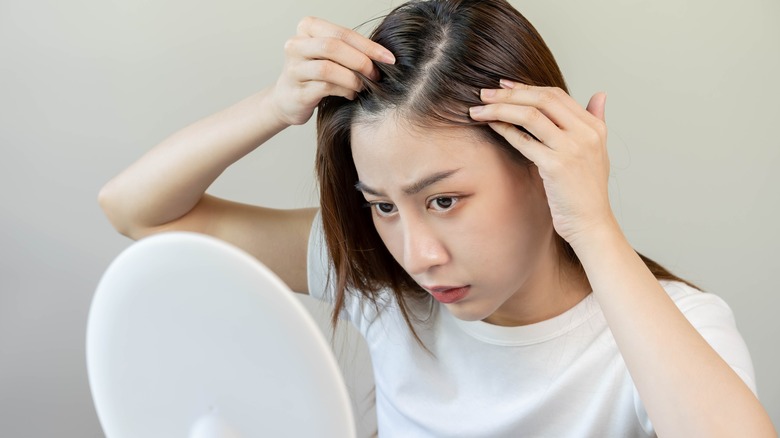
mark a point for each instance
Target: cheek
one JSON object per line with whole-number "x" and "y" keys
{"x": 518, "y": 230}
{"x": 391, "y": 238}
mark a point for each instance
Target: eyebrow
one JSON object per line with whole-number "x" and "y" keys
{"x": 411, "y": 189}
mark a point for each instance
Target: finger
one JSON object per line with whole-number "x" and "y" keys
{"x": 527, "y": 145}
{"x": 543, "y": 93}
{"x": 529, "y": 117}
{"x": 597, "y": 105}
{"x": 553, "y": 102}
{"x": 328, "y": 72}
{"x": 319, "y": 89}
{"x": 332, "y": 49}
{"x": 316, "y": 27}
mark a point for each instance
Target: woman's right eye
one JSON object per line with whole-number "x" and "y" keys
{"x": 383, "y": 208}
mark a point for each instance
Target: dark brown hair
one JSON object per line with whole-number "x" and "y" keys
{"x": 446, "y": 51}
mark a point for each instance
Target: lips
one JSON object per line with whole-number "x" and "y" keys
{"x": 448, "y": 294}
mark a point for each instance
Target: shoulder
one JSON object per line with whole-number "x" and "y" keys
{"x": 322, "y": 281}
{"x": 712, "y": 317}
{"x": 707, "y": 312}
{"x": 694, "y": 302}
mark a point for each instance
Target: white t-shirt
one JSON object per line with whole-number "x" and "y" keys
{"x": 563, "y": 377}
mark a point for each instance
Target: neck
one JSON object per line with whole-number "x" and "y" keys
{"x": 556, "y": 286}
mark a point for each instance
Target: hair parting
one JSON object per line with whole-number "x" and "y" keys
{"x": 446, "y": 51}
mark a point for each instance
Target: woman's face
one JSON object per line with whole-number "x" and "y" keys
{"x": 468, "y": 224}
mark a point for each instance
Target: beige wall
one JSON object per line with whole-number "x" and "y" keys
{"x": 86, "y": 86}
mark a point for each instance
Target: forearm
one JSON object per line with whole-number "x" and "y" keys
{"x": 169, "y": 180}
{"x": 686, "y": 387}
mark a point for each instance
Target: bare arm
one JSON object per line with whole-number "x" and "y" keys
{"x": 166, "y": 183}
{"x": 165, "y": 189}
{"x": 687, "y": 388}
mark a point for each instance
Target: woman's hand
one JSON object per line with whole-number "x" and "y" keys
{"x": 570, "y": 151}
{"x": 322, "y": 60}
{"x": 687, "y": 388}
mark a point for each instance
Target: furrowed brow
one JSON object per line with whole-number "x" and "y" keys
{"x": 411, "y": 189}
{"x": 430, "y": 180}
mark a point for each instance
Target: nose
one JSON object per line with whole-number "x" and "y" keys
{"x": 423, "y": 249}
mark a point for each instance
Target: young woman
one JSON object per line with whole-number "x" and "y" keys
{"x": 465, "y": 229}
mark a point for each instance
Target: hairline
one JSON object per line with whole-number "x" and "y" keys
{"x": 406, "y": 119}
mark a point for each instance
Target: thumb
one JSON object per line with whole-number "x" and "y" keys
{"x": 597, "y": 104}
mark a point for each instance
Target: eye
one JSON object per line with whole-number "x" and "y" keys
{"x": 443, "y": 203}
{"x": 383, "y": 208}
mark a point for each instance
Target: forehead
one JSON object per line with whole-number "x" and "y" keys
{"x": 392, "y": 140}
{"x": 395, "y": 148}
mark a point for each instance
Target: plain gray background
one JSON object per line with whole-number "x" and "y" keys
{"x": 87, "y": 86}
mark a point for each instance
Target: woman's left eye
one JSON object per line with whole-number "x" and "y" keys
{"x": 442, "y": 203}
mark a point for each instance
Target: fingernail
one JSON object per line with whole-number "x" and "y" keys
{"x": 387, "y": 58}
{"x": 474, "y": 110}
{"x": 488, "y": 92}
{"x": 506, "y": 83}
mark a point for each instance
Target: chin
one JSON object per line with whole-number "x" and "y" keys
{"x": 465, "y": 312}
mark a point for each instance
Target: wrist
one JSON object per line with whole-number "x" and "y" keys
{"x": 597, "y": 238}
{"x": 272, "y": 110}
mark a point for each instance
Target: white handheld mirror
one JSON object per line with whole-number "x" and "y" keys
{"x": 189, "y": 336}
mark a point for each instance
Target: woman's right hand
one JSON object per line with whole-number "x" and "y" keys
{"x": 322, "y": 60}
{"x": 165, "y": 189}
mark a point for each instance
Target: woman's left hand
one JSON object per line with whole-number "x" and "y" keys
{"x": 570, "y": 153}
{"x": 688, "y": 384}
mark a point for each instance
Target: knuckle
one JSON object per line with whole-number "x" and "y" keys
{"x": 547, "y": 95}
{"x": 290, "y": 46}
{"x": 499, "y": 111}
{"x": 313, "y": 91}
{"x": 506, "y": 94}
{"x": 577, "y": 150}
{"x": 594, "y": 137}
{"x": 558, "y": 91}
{"x": 341, "y": 34}
{"x": 357, "y": 83}
{"x": 323, "y": 88}
{"x": 365, "y": 66}
{"x": 551, "y": 94}
{"x": 305, "y": 23}
{"x": 322, "y": 69}
{"x": 530, "y": 114}
{"x": 523, "y": 136}
{"x": 329, "y": 45}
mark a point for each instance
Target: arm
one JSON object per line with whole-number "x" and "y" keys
{"x": 165, "y": 189}
{"x": 686, "y": 387}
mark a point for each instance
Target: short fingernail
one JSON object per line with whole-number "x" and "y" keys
{"x": 474, "y": 110}
{"x": 506, "y": 83}
{"x": 487, "y": 92}
{"x": 387, "y": 57}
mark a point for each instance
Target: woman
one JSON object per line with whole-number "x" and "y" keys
{"x": 465, "y": 229}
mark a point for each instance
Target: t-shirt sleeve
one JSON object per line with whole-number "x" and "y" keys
{"x": 715, "y": 321}
{"x": 319, "y": 269}
{"x": 321, "y": 279}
